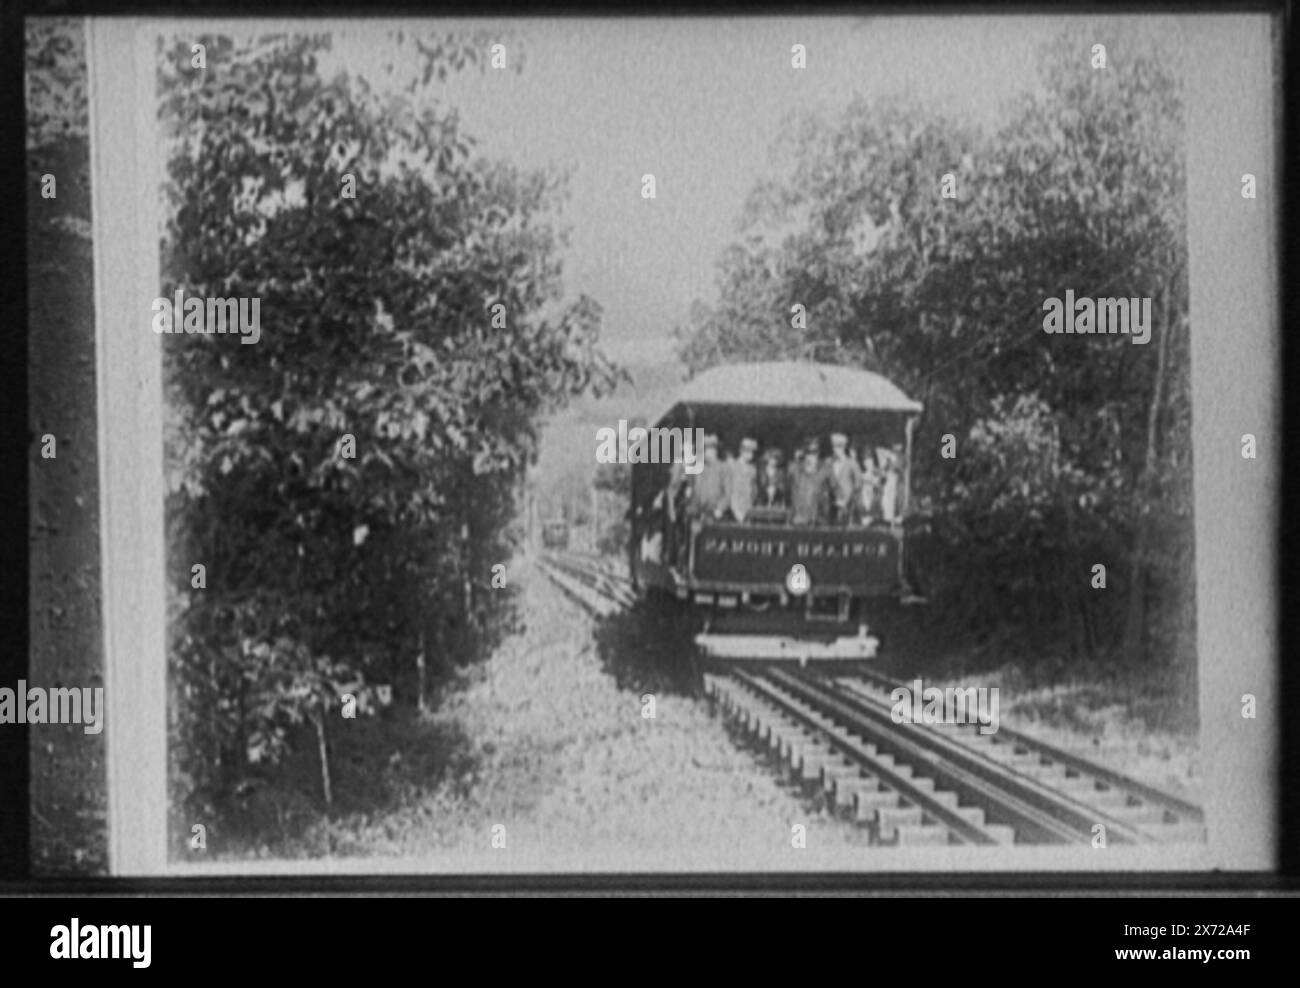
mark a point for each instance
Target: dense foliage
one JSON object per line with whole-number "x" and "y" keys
{"x": 1070, "y": 450}
{"x": 326, "y": 573}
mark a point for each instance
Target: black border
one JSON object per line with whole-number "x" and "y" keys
{"x": 15, "y": 861}
{"x": 19, "y": 442}
{"x": 878, "y": 884}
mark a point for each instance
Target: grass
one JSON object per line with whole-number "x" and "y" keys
{"x": 378, "y": 766}
{"x": 1140, "y": 720}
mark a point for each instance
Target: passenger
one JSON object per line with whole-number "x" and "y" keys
{"x": 891, "y": 466}
{"x": 708, "y": 497}
{"x": 869, "y": 496}
{"x": 675, "y": 493}
{"x": 811, "y": 488}
{"x": 770, "y": 489}
{"x": 678, "y": 495}
{"x": 673, "y": 496}
{"x": 847, "y": 479}
{"x": 740, "y": 476}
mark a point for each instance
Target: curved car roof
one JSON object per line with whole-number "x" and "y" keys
{"x": 793, "y": 384}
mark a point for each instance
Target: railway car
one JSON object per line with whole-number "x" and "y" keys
{"x": 555, "y": 534}
{"x": 766, "y": 577}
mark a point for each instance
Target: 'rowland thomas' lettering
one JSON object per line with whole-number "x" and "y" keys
{"x": 847, "y": 549}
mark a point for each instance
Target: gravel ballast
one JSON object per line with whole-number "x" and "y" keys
{"x": 566, "y": 761}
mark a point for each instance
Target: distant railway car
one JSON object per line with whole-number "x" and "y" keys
{"x": 788, "y": 525}
{"x": 555, "y": 534}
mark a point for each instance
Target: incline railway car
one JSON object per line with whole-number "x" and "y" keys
{"x": 785, "y": 522}
{"x": 555, "y": 534}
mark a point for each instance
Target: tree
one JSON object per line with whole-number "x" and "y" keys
{"x": 1081, "y": 188}
{"x": 421, "y": 320}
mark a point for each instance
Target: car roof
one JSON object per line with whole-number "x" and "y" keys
{"x": 792, "y": 384}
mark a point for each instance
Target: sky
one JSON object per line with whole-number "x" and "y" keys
{"x": 702, "y": 104}
{"x": 699, "y": 103}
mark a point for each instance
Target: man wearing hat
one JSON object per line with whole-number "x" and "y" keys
{"x": 708, "y": 498}
{"x": 770, "y": 489}
{"x": 891, "y": 463}
{"x": 811, "y": 488}
{"x": 741, "y": 474}
{"x": 846, "y": 476}
{"x": 869, "y": 493}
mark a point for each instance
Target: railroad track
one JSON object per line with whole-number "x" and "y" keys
{"x": 917, "y": 784}
{"x": 1067, "y": 785}
{"x": 927, "y": 784}
{"x": 590, "y": 580}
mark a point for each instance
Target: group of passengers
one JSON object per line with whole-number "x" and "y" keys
{"x": 841, "y": 490}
